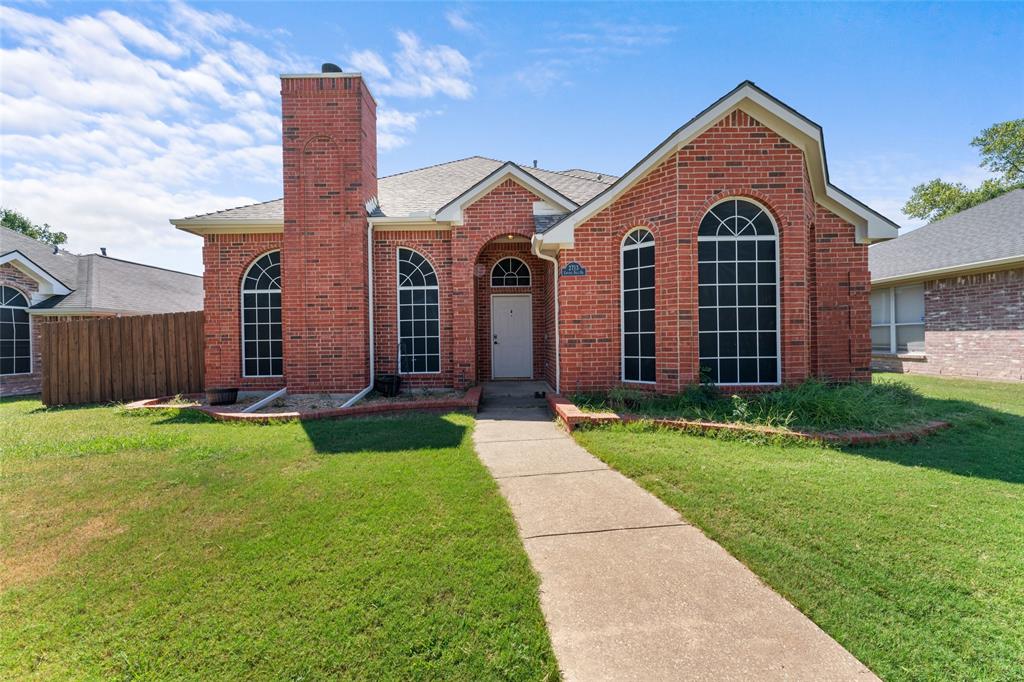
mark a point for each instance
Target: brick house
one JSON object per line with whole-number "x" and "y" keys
{"x": 725, "y": 247}
{"x": 40, "y": 283}
{"x": 948, "y": 298}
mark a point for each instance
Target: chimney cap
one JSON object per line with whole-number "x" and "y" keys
{"x": 327, "y": 67}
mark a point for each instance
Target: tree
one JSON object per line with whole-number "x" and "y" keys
{"x": 13, "y": 220}
{"x": 1002, "y": 151}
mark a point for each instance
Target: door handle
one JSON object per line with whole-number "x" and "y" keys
{"x": 495, "y": 339}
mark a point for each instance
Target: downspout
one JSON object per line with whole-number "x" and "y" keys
{"x": 536, "y": 244}
{"x": 369, "y": 286}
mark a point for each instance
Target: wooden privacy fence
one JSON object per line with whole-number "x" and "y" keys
{"x": 103, "y": 359}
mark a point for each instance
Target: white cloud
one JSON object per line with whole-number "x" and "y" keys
{"x": 456, "y": 18}
{"x": 111, "y": 125}
{"x": 417, "y": 70}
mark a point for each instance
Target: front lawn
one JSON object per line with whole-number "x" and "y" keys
{"x": 160, "y": 545}
{"x": 910, "y": 555}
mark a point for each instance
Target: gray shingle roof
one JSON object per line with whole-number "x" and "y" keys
{"x": 989, "y": 231}
{"x": 104, "y": 284}
{"x": 422, "y": 191}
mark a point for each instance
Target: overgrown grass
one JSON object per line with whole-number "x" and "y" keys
{"x": 162, "y": 545}
{"x": 910, "y": 555}
{"x": 812, "y": 405}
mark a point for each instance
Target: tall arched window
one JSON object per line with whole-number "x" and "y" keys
{"x": 638, "y": 360}
{"x": 261, "y": 317}
{"x": 15, "y": 333}
{"x": 419, "y": 333}
{"x": 510, "y": 272}
{"x": 738, "y": 294}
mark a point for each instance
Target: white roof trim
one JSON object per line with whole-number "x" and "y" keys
{"x": 48, "y": 284}
{"x": 228, "y": 225}
{"x": 792, "y": 126}
{"x": 963, "y": 268}
{"x": 452, "y": 211}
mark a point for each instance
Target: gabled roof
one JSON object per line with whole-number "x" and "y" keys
{"x": 93, "y": 283}
{"x": 452, "y": 211}
{"x": 773, "y": 113}
{"x": 985, "y": 236}
{"x": 416, "y": 193}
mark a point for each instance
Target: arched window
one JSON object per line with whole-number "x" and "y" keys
{"x": 261, "y": 317}
{"x": 510, "y": 272}
{"x": 419, "y": 333}
{"x": 15, "y": 333}
{"x": 638, "y": 307}
{"x": 738, "y": 294}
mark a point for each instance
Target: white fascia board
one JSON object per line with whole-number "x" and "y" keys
{"x": 793, "y": 127}
{"x": 48, "y": 284}
{"x": 203, "y": 227}
{"x": 452, "y": 211}
{"x": 953, "y": 270}
{"x": 399, "y": 223}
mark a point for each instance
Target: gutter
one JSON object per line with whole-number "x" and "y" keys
{"x": 535, "y": 248}
{"x": 976, "y": 267}
{"x": 369, "y": 300}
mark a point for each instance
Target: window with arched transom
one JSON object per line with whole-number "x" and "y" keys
{"x": 262, "y": 354}
{"x": 738, "y": 294}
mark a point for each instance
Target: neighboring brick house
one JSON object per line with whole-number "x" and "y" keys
{"x": 39, "y": 283}
{"x": 724, "y": 253}
{"x": 948, "y": 298}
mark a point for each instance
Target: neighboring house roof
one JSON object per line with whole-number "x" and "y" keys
{"x": 421, "y": 192}
{"x": 99, "y": 284}
{"x": 985, "y": 236}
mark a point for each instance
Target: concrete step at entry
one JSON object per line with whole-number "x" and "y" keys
{"x": 513, "y": 394}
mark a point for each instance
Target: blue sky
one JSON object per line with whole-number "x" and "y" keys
{"x": 116, "y": 117}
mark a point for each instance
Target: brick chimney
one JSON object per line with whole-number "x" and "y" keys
{"x": 329, "y": 143}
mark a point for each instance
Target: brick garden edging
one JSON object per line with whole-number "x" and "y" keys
{"x": 572, "y": 416}
{"x": 469, "y": 401}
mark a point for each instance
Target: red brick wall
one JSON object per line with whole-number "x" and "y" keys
{"x": 505, "y": 210}
{"x": 539, "y": 274}
{"x": 974, "y": 327}
{"x": 736, "y": 157}
{"x": 841, "y": 303}
{"x": 24, "y": 384}
{"x": 329, "y": 162}
{"x": 226, "y": 257}
{"x": 435, "y": 246}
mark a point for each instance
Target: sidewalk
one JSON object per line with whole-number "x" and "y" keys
{"x": 630, "y": 591}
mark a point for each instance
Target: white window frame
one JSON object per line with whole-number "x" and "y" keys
{"x": 529, "y": 274}
{"x": 31, "y": 344}
{"x": 892, "y": 324}
{"x": 398, "y": 309}
{"x": 242, "y": 291}
{"x": 778, "y": 289}
{"x": 623, "y": 247}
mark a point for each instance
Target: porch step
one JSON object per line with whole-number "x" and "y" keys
{"x": 503, "y": 394}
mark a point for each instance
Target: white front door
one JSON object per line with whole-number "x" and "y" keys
{"x": 511, "y": 336}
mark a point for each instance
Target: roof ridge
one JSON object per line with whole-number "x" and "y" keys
{"x": 147, "y": 265}
{"x": 570, "y": 175}
{"x": 439, "y": 164}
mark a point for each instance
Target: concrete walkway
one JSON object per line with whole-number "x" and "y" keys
{"x": 629, "y": 590}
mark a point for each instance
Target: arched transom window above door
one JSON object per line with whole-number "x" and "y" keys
{"x": 510, "y": 272}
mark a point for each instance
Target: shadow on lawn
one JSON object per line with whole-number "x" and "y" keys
{"x": 983, "y": 443}
{"x": 416, "y": 431}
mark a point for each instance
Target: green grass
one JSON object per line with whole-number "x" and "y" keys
{"x": 812, "y": 405}
{"x": 910, "y": 555}
{"x": 160, "y": 545}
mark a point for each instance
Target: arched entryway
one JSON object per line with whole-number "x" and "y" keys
{"x": 511, "y": 295}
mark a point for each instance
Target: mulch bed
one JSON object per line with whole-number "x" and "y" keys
{"x": 305, "y": 407}
{"x": 572, "y": 416}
